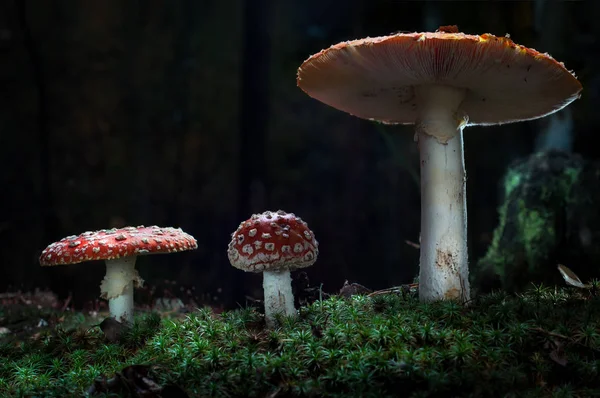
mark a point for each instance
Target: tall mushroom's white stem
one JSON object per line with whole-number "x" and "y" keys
{"x": 117, "y": 287}
{"x": 279, "y": 298}
{"x": 444, "y": 271}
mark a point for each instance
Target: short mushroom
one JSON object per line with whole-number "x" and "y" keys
{"x": 119, "y": 249}
{"x": 440, "y": 82}
{"x": 274, "y": 243}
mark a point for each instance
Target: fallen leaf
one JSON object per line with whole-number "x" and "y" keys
{"x": 571, "y": 278}
{"x": 137, "y": 381}
{"x": 353, "y": 289}
{"x": 557, "y": 354}
{"x": 113, "y": 330}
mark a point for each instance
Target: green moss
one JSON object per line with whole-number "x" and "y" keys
{"x": 548, "y": 199}
{"x": 537, "y": 232}
{"x": 543, "y": 342}
{"x": 511, "y": 181}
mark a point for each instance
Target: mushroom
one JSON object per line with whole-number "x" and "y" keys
{"x": 274, "y": 243}
{"x": 119, "y": 249}
{"x": 440, "y": 82}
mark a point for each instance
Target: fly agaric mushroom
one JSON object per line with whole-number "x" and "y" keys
{"x": 274, "y": 243}
{"x": 119, "y": 248}
{"x": 440, "y": 82}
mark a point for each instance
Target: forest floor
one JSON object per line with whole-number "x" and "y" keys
{"x": 544, "y": 342}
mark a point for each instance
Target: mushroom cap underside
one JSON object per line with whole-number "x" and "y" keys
{"x": 272, "y": 241}
{"x": 109, "y": 244}
{"x": 375, "y": 78}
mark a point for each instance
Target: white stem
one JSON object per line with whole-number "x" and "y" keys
{"x": 278, "y": 295}
{"x": 444, "y": 272}
{"x": 117, "y": 287}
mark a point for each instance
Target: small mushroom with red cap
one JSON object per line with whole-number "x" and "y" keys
{"x": 119, "y": 249}
{"x": 274, "y": 243}
{"x": 441, "y": 82}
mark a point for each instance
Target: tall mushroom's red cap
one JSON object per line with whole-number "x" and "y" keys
{"x": 273, "y": 241}
{"x": 109, "y": 244}
{"x": 375, "y": 78}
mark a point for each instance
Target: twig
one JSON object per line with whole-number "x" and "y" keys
{"x": 274, "y": 393}
{"x": 553, "y": 334}
{"x": 412, "y": 244}
{"x": 66, "y": 303}
{"x": 9, "y": 295}
{"x": 562, "y": 336}
{"x": 395, "y": 289}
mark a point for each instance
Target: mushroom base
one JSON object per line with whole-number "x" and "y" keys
{"x": 279, "y": 298}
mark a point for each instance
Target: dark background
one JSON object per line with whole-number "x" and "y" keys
{"x": 186, "y": 113}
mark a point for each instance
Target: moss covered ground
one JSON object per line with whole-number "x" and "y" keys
{"x": 545, "y": 342}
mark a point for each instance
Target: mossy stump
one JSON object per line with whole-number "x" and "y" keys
{"x": 549, "y": 216}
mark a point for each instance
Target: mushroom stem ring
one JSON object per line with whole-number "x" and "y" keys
{"x": 117, "y": 287}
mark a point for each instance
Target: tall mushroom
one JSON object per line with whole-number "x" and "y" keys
{"x": 274, "y": 243}
{"x": 440, "y": 82}
{"x": 119, "y": 249}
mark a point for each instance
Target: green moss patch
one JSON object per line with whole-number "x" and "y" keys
{"x": 545, "y": 342}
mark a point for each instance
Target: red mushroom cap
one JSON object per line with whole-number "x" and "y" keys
{"x": 108, "y": 244}
{"x": 273, "y": 241}
{"x": 375, "y": 78}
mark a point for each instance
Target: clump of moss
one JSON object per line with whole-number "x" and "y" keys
{"x": 548, "y": 216}
{"x": 543, "y": 342}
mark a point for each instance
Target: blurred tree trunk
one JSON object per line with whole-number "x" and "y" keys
{"x": 556, "y": 131}
{"x": 46, "y": 201}
{"x": 431, "y": 16}
{"x": 254, "y": 111}
{"x": 354, "y": 185}
{"x": 179, "y": 92}
{"x": 132, "y": 80}
{"x": 45, "y": 226}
